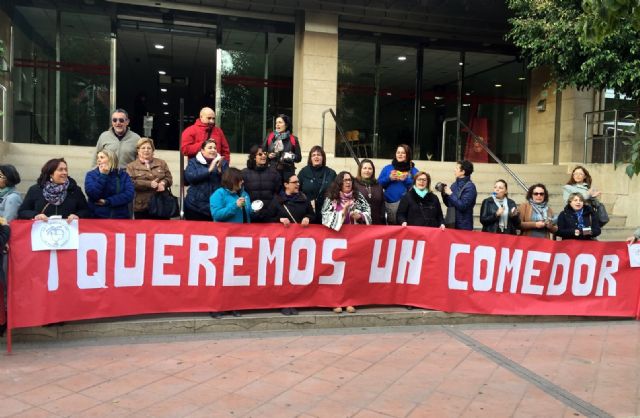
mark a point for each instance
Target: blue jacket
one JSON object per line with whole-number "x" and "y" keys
{"x": 394, "y": 189}
{"x": 464, "y": 204}
{"x": 224, "y": 208}
{"x": 202, "y": 184}
{"x": 116, "y": 188}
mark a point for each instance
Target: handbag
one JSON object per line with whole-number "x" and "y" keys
{"x": 164, "y": 205}
{"x": 600, "y": 211}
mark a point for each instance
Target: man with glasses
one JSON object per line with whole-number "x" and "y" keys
{"x": 119, "y": 139}
{"x": 204, "y": 128}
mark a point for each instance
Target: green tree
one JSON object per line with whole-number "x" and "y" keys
{"x": 580, "y": 52}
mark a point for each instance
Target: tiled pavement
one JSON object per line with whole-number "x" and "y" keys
{"x": 519, "y": 370}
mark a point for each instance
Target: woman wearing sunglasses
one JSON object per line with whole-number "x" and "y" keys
{"x": 536, "y": 217}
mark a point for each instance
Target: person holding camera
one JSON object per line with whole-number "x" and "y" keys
{"x": 283, "y": 149}
{"x": 536, "y": 217}
{"x": 203, "y": 175}
{"x": 577, "y": 220}
{"x": 498, "y": 213}
{"x": 461, "y": 196}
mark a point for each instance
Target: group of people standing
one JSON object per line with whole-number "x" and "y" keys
{"x": 127, "y": 175}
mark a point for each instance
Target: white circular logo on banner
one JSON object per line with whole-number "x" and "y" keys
{"x": 55, "y": 235}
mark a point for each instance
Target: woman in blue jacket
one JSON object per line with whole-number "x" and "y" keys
{"x": 230, "y": 203}
{"x": 110, "y": 189}
{"x": 203, "y": 174}
{"x": 396, "y": 178}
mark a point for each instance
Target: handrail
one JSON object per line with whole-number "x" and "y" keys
{"x": 484, "y": 146}
{"x": 588, "y": 137}
{"x": 341, "y": 132}
{"x": 180, "y": 128}
{"x": 4, "y": 112}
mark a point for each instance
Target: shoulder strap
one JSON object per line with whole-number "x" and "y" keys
{"x": 461, "y": 189}
{"x": 292, "y": 139}
{"x": 284, "y": 205}
{"x": 270, "y": 138}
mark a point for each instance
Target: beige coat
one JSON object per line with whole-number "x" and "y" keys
{"x": 142, "y": 177}
{"x": 527, "y": 225}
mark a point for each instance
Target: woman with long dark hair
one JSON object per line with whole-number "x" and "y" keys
{"x": 316, "y": 178}
{"x": 283, "y": 149}
{"x": 367, "y": 184}
{"x": 54, "y": 194}
{"x": 261, "y": 181}
{"x": 10, "y": 199}
{"x": 536, "y": 217}
{"x": 344, "y": 205}
{"x": 396, "y": 178}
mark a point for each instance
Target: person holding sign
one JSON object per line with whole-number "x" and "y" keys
{"x": 54, "y": 194}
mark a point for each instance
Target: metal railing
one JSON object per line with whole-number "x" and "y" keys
{"x": 180, "y": 129}
{"x": 599, "y": 126}
{"x": 4, "y": 112}
{"x": 477, "y": 139}
{"x": 341, "y": 132}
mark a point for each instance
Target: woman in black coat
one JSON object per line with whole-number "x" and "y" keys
{"x": 420, "y": 207}
{"x": 577, "y": 220}
{"x": 498, "y": 213}
{"x": 55, "y": 193}
{"x": 369, "y": 187}
{"x": 261, "y": 181}
{"x": 290, "y": 206}
{"x": 316, "y": 178}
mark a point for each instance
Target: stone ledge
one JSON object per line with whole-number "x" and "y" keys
{"x": 201, "y": 323}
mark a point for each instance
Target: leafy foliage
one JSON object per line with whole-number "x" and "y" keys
{"x": 588, "y": 44}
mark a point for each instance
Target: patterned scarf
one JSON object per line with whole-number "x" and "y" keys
{"x": 278, "y": 145}
{"x": 55, "y": 193}
{"x": 345, "y": 198}
{"x": 579, "y": 215}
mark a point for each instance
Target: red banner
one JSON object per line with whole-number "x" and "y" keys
{"x": 136, "y": 267}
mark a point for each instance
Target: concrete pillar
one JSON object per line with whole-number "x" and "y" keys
{"x": 315, "y": 79}
{"x": 544, "y": 125}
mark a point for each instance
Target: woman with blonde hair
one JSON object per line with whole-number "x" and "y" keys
{"x": 109, "y": 188}
{"x": 150, "y": 175}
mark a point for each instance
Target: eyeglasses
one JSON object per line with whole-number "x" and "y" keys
{"x": 538, "y": 193}
{"x": 294, "y": 182}
{"x": 116, "y": 120}
{"x": 260, "y": 154}
{"x": 421, "y": 179}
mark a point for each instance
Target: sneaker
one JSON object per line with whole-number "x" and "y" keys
{"x": 285, "y": 311}
{"x": 216, "y": 315}
{"x": 293, "y": 311}
{"x": 351, "y": 309}
{"x": 337, "y": 310}
{"x": 236, "y": 313}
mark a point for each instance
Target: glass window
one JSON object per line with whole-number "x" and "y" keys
{"x": 257, "y": 78}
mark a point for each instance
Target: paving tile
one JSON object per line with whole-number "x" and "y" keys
{"x": 335, "y": 375}
{"x": 34, "y": 413}
{"x": 123, "y": 384}
{"x": 232, "y": 404}
{"x": 42, "y": 395}
{"x": 154, "y": 392}
{"x": 334, "y": 409}
{"x": 367, "y": 413}
{"x": 297, "y": 400}
{"x": 394, "y": 407}
{"x": 315, "y": 385}
{"x": 80, "y": 381}
{"x": 12, "y": 406}
{"x": 71, "y": 404}
{"x": 104, "y": 410}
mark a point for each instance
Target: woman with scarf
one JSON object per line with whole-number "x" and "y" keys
{"x": 396, "y": 178}
{"x": 577, "y": 220}
{"x": 498, "y": 213}
{"x": 54, "y": 194}
{"x": 150, "y": 175}
{"x": 283, "y": 149}
{"x": 261, "y": 182}
{"x": 10, "y": 199}
{"x": 109, "y": 188}
{"x": 315, "y": 178}
{"x": 290, "y": 206}
{"x": 420, "y": 207}
{"x": 369, "y": 187}
{"x": 536, "y": 217}
{"x": 580, "y": 182}
{"x": 344, "y": 205}
{"x": 203, "y": 175}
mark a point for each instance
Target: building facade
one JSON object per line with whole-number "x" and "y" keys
{"x": 392, "y": 72}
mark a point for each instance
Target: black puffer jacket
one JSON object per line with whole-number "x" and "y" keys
{"x": 420, "y": 211}
{"x": 261, "y": 183}
{"x": 297, "y": 205}
{"x": 314, "y": 182}
{"x": 490, "y": 222}
{"x": 568, "y": 223}
{"x": 74, "y": 204}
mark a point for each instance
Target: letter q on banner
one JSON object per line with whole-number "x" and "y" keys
{"x": 634, "y": 255}
{"x": 56, "y": 234}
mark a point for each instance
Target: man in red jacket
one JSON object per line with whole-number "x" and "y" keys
{"x": 203, "y": 129}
